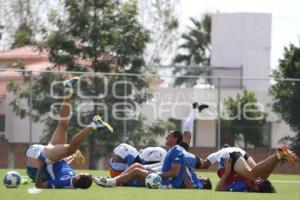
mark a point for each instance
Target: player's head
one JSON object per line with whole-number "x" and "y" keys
{"x": 83, "y": 181}
{"x": 173, "y": 138}
{"x": 263, "y": 186}
{"x": 206, "y": 183}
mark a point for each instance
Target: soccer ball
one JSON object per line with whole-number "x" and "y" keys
{"x": 153, "y": 181}
{"x": 12, "y": 179}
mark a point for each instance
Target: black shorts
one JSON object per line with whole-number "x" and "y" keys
{"x": 198, "y": 163}
{"x": 236, "y": 155}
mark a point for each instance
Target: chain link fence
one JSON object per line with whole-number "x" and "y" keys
{"x": 125, "y": 97}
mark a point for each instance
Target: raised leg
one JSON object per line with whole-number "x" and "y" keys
{"x": 60, "y": 134}
{"x": 60, "y": 151}
{"x": 251, "y": 162}
{"x": 264, "y": 168}
{"x": 189, "y": 126}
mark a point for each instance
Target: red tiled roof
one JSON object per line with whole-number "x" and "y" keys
{"x": 39, "y": 66}
{"x": 7, "y": 75}
{"x": 26, "y": 52}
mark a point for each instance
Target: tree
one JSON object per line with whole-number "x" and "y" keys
{"x": 196, "y": 52}
{"x": 22, "y": 20}
{"x": 1, "y": 27}
{"x": 97, "y": 37}
{"x": 286, "y": 93}
{"x": 160, "y": 17}
{"x": 243, "y": 117}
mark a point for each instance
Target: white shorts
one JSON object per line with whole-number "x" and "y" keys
{"x": 34, "y": 151}
{"x": 154, "y": 167}
{"x": 152, "y": 154}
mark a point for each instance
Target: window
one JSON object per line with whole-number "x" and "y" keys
{"x": 2, "y": 123}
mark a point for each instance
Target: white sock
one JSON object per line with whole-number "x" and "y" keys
{"x": 112, "y": 181}
{"x": 189, "y": 122}
{"x": 93, "y": 125}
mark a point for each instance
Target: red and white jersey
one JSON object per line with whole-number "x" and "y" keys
{"x": 152, "y": 154}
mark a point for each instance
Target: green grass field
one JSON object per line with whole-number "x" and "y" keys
{"x": 286, "y": 186}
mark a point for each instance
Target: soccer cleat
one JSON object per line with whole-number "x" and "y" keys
{"x": 69, "y": 84}
{"x": 79, "y": 158}
{"x": 202, "y": 106}
{"x": 195, "y": 105}
{"x": 101, "y": 181}
{"x": 98, "y": 123}
{"x": 286, "y": 154}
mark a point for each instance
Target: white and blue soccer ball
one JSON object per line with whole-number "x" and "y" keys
{"x": 12, "y": 179}
{"x": 153, "y": 181}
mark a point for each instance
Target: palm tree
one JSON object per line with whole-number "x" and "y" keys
{"x": 196, "y": 48}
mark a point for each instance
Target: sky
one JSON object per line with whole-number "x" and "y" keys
{"x": 285, "y": 18}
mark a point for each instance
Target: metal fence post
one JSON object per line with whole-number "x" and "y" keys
{"x": 219, "y": 114}
{"x": 30, "y": 108}
{"x": 125, "y": 103}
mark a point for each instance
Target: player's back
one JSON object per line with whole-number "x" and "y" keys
{"x": 152, "y": 155}
{"x": 126, "y": 152}
{"x": 60, "y": 174}
{"x": 224, "y": 153}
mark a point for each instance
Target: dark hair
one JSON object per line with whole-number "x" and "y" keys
{"x": 226, "y": 145}
{"x": 266, "y": 187}
{"x": 25, "y": 152}
{"x": 84, "y": 182}
{"x": 206, "y": 183}
{"x": 178, "y": 135}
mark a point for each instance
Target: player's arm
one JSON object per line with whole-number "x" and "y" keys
{"x": 69, "y": 160}
{"x": 39, "y": 177}
{"x": 175, "y": 168}
{"x": 221, "y": 184}
{"x": 77, "y": 157}
{"x": 210, "y": 160}
{"x": 205, "y": 164}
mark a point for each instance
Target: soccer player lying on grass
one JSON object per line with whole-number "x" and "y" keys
{"x": 239, "y": 175}
{"x": 172, "y": 170}
{"x": 48, "y": 161}
{"x": 194, "y": 161}
{"x": 123, "y": 156}
{"x": 191, "y": 180}
{"x": 173, "y": 167}
{"x": 152, "y": 155}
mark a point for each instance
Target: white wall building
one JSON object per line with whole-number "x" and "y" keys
{"x": 241, "y": 47}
